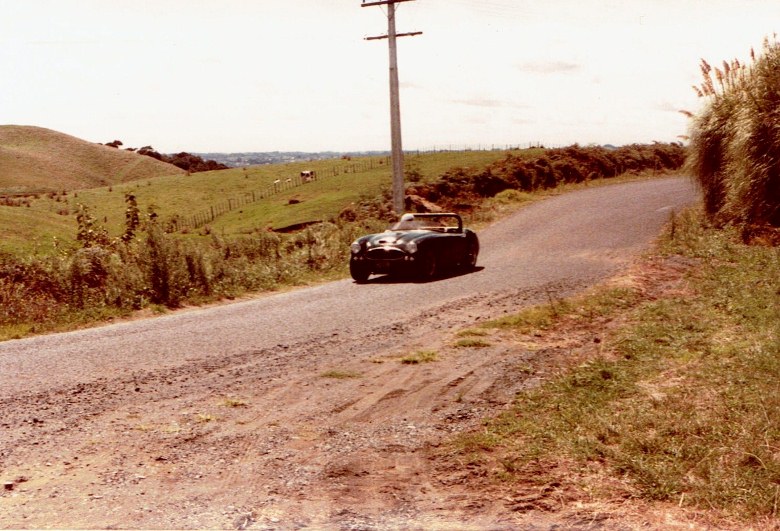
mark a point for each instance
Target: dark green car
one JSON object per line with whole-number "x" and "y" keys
{"x": 419, "y": 245}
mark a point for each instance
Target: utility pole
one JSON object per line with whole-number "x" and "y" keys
{"x": 395, "y": 100}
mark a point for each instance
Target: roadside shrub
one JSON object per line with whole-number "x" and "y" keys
{"x": 573, "y": 164}
{"x": 485, "y": 184}
{"x": 19, "y": 305}
{"x": 735, "y": 140}
{"x": 163, "y": 260}
{"x": 88, "y": 274}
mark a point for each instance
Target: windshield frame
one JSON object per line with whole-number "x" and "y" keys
{"x": 436, "y": 222}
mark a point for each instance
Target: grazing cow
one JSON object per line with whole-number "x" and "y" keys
{"x": 308, "y": 175}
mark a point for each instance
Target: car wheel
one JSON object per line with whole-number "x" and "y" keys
{"x": 428, "y": 266}
{"x": 359, "y": 272}
{"x": 470, "y": 260}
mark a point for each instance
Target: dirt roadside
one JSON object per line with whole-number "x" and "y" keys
{"x": 338, "y": 435}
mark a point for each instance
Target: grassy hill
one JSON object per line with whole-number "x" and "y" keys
{"x": 37, "y": 160}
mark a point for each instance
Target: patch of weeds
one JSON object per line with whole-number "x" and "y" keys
{"x": 204, "y": 418}
{"x": 158, "y": 309}
{"x": 473, "y": 447}
{"x": 472, "y": 342}
{"x": 598, "y": 303}
{"x": 472, "y": 332}
{"x": 340, "y": 375}
{"x": 481, "y": 440}
{"x": 174, "y": 427}
{"x": 605, "y": 302}
{"x": 513, "y": 196}
{"x": 15, "y": 331}
{"x": 530, "y": 320}
{"x": 234, "y": 402}
{"x": 421, "y": 356}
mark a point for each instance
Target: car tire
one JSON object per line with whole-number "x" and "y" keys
{"x": 472, "y": 251}
{"x": 359, "y": 272}
{"x": 428, "y": 267}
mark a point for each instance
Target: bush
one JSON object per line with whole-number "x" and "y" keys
{"x": 574, "y": 164}
{"x": 735, "y": 140}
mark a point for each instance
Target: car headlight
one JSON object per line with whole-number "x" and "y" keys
{"x": 355, "y": 247}
{"x": 411, "y": 247}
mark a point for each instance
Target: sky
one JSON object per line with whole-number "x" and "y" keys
{"x": 299, "y": 75}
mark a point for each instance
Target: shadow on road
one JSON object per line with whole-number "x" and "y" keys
{"x": 406, "y": 279}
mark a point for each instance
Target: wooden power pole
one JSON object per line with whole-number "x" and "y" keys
{"x": 395, "y": 100}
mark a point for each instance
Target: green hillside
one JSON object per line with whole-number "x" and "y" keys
{"x": 38, "y": 160}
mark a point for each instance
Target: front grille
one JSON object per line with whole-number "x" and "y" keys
{"x": 385, "y": 253}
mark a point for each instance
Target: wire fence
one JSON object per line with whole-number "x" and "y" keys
{"x": 204, "y": 217}
{"x": 445, "y": 148}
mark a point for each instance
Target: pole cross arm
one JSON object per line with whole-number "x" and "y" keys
{"x": 382, "y": 2}
{"x": 407, "y": 34}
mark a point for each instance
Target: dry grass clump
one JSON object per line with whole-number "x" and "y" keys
{"x": 735, "y": 140}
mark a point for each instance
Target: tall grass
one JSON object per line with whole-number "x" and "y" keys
{"x": 735, "y": 140}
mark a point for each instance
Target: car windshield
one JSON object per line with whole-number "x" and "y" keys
{"x": 436, "y": 223}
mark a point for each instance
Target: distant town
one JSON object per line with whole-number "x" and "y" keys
{"x": 237, "y": 160}
{"x": 253, "y": 158}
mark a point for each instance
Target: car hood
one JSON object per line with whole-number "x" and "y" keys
{"x": 396, "y": 237}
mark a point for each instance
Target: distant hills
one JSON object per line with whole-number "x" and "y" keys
{"x": 39, "y": 160}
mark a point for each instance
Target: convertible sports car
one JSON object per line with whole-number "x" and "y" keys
{"x": 422, "y": 245}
